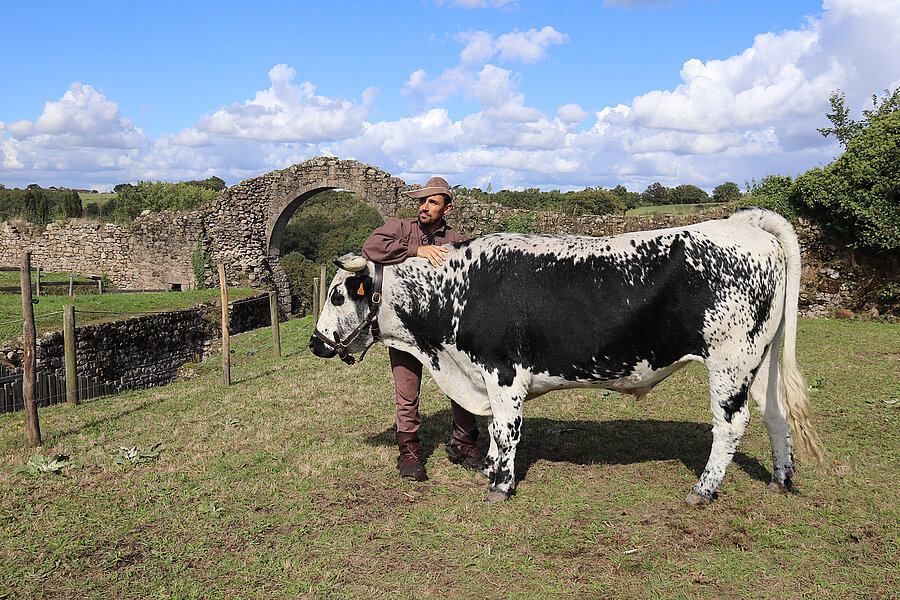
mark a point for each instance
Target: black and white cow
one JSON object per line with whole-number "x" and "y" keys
{"x": 509, "y": 317}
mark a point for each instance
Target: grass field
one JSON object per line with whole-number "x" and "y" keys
{"x": 670, "y": 209}
{"x": 108, "y": 307}
{"x": 284, "y": 485}
{"x": 89, "y": 198}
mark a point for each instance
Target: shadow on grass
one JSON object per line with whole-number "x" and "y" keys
{"x": 616, "y": 442}
{"x": 53, "y": 438}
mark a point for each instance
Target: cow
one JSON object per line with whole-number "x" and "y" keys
{"x": 510, "y": 316}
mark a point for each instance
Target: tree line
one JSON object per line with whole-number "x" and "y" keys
{"x": 39, "y": 206}
{"x": 601, "y": 201}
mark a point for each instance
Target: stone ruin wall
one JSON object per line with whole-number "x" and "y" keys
{"x": 153, "y": 252}
{"x": 241, "y": 229}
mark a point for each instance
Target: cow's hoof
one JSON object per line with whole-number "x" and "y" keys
{"x": 696, "y": 500}
{"x": 480, "y": 479}
{"x": 495, "y": 497}
{"x": 777, "y": 488}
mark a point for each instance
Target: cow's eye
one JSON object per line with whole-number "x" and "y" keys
{"x": 337, "y": 298}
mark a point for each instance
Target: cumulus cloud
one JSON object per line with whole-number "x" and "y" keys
{"x": 287, "y": 113}
{"x": 732, "y": 118}
{"x": 529, "y": 46}
{"x": 83, "y": 117}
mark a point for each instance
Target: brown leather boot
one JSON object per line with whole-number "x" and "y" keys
{"x": 410, "y": 463}
{"x": 461, "y": 450}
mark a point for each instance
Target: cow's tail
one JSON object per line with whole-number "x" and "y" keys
{"x": 793, "y": 389}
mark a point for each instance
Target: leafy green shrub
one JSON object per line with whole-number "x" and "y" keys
{"x": 127, "y": 457}
{"x": 40, "y": 465}
{"x": 772, "y": 192}
{"x": 857, "y": 197}
{"x": 201, "y": 263}
{"x": 519, "y": 224}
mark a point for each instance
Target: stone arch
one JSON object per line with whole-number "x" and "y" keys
{"x": 245, "y": 224}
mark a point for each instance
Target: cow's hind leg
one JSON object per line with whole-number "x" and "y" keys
{"x": 765, "y": 392}
{"x": 506, "y": 429}
{"x": 728, "y": 400}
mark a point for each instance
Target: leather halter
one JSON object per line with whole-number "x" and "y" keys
{"x": 340, "y": 346}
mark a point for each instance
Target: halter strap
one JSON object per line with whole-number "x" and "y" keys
{"x": 340, "y": 346}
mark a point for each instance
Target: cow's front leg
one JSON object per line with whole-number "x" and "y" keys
{"x": 488, "y": 471}
{"x": 505, "y": 430}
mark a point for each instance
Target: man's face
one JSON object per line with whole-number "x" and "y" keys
{"x": 432, "y": 209}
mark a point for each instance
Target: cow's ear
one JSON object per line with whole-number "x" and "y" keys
{"x": 352, "y": 262}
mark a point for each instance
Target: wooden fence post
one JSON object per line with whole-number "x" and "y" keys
{"x": 100, "y": 286}
{"x": 323, "y": 290}
{"x": 29, "y": 341}
{"x": 38, "y": 281}
{"x": 315, "y": 301}
{"x": 69, "y": 341}
{"x": 276, "y": 328}
{"x": 226, "y": 345}
{"x": 71, "y": 285}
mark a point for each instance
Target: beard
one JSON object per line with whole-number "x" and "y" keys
{"x": 427, "y": 219}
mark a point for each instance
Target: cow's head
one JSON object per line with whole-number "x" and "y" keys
{"x": 347, "y": 305}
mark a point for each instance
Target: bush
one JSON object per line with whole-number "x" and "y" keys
{"x": 772, "y": 192}
{"x": 857, "y": 197}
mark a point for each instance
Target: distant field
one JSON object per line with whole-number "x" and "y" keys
{"x": 671, "y": 209}
{"x": 88, "y": 198}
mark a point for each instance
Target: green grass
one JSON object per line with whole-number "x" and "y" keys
{"x": 52, "y": 306}
{"x": 284, "y": 485}
{"x": 89, "y": 198}
{"x": 671, "y": 209}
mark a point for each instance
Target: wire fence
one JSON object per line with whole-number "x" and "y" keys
{"x": 50, "y": 387}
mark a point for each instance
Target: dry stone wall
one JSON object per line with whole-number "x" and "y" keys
{"x": 243, "y": 226}
{"x": 148, "y": 350}
{"x": 153, "y": 252}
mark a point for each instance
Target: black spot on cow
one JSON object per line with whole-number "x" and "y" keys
{"x": 583, "y": 318}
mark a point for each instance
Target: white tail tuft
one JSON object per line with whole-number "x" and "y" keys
{"x": 793, "y": 390}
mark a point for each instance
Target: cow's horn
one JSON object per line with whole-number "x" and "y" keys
{"x": 351, "y": 262}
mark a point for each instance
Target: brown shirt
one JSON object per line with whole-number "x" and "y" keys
{"x": 399, "y": 239}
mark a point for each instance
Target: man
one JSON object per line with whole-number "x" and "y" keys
{"x": 394, "y": 242}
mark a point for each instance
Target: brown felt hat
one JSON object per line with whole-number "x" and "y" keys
{"x": 435, "y": 185}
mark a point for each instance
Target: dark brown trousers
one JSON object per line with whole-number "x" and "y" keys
{"x": 407, "y": 372}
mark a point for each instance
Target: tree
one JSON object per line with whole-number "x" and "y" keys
{"x": 845, "y": 128}
{"x": 688, "y": 194}
{"x": 726, "y": 192}
{"x": 857, "y": 197}
{"x": 772, "y": 192}
{"x": 629, "y": 199}
{"x": 656, "y": 194}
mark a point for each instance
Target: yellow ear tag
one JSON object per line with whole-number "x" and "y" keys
{"x": 361, "y": 291}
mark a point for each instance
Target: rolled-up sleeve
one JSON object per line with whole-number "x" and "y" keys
{"x": 390, "y": 244}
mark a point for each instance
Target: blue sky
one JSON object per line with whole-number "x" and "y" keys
{"x": 519, "y": 93}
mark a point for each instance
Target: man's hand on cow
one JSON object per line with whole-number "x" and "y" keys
{"x": 434, "y": 254}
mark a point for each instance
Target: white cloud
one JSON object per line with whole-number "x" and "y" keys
{"x": 287, "y": 113}
{"x": 733, "y": 118}
{"x": 529, "y": 46}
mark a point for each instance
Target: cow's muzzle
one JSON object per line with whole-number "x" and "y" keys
{"x": 320, "y": 349}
